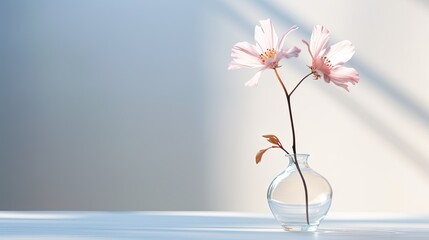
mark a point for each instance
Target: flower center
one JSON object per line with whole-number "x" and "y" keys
{"x": 321, "y": 66}
{"x": 327, "y": 63}
{"x": 270, "y": 53}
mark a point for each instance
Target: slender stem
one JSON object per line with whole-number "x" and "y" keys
{"x": 294, "y": 140}
{"x": 306, "y": 76}
{"x": 281, "y": 82}
{"x": 282, "y": 148}
{"x": 296, "y": 162}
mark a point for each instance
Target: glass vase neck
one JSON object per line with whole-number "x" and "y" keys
{"x": 301, "y": 158}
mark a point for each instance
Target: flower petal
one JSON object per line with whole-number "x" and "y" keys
{"x": 259, "y": 38}
{"x": 266, "y": 36}
{"x": 319, "y": 39}
{"x": 342, "y": 75}
{"x": 326, "y": 78}
{"x": 254, "y": 80}
{"x": 282, "y": 40}
{"x": 234, "y": 66}
{"x": 308, "y": 47}
{"x": 291, "y": 52}
{"x": 340, "y": 53}
{"x": 244, "y": 55}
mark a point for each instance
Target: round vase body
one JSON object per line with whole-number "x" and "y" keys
{"x": 286, "y": 196}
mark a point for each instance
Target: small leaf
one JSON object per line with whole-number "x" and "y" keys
{"x": 259, "y": 155}
{"x": 272, "y": 139}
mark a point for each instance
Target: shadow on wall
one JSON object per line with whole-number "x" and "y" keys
{"x": 377, "y": 80}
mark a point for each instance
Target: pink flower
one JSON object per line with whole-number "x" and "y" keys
{"x": 328, "y": 61}
{"x": 266, "y": 54}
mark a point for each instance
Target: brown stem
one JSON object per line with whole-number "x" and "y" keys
{"x": 282, "y": 148}
{"x": 296, "y": 163}
{"x": 294, "y": 140}
{"x": 306, "y": 76}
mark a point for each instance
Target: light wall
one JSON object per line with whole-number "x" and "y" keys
{"x": 129, "y": 105}
{"x": 371, "y": 143}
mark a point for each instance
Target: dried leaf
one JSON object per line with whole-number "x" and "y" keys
{"x": 259, "y": 155}
{"x": 272, "y": 139}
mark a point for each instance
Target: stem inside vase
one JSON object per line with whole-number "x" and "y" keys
{"x": 294, "y": 139}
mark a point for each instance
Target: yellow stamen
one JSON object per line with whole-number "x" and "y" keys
{"x": 270, "y": 53}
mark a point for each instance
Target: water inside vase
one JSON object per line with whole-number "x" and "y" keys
{"x": 295, "y": 213}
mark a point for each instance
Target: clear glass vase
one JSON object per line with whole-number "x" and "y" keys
{"x": 286, "y": 196}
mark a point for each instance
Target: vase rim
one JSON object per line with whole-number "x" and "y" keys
{"x": 298, "y": 154}
{"x": 302, "y": 158}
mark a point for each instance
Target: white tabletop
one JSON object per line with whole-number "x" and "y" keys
{"x": 199, "y": 225}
